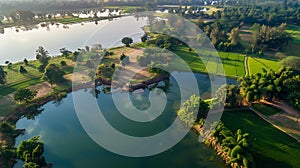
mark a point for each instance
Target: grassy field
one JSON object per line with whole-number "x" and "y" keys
{"x": 233, "y": 63}
{"x": 292, "y": 49}
{"x": 295, "y": 32}
{"x": 266, "y": 109}
{"x": 69, "y": 20}
{"x": 270, "y": 147}
{"x": 257, "y": 64}
{"x": 16, "y": 80}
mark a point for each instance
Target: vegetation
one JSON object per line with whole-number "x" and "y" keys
{"x": 270, "y": 147}
{"x": 283, "y": 84}
{"x": 53, "y": 74}
{"x": 24, "y": 95}
{"x": 42, "y": 55}
{"x": 258, "y": 65}
{"x": 2, "y": 75}
{"x": 193, "y": 110}
{"x": 127, "y": 41}
{"x": 229, "y": 94}
{"x": 291, "y": 61}
{"x": 266, "y": 109}
{"x": 31, "y": 152}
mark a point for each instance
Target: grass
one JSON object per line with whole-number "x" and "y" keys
{"x": 266, "y": 109}
{"x": 270, "y": 147}
{"x": 292, "y": 49}
{"x": 295, "y": 32}
{"x": 233, "y": 63}
{"x": 256, "y": 65}
{"x": 69, "y": 20}
{"x": 16, "y": 80}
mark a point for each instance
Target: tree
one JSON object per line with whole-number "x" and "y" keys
{"x": 24, "y": 95}
{"x": 127, "y": 41}
{"x": 144, "y": 38}
{"x": 2, "y": 75}
{"x": 291, "y": 61}
{"x": 234, "y": 36}
{"x": 65, "y": 52}
{"x": 22, "y": 70}
{"x": 193, "y": 110}
{"x": 53, "y": 74}
{"x": 31, "y": 152}
{"x": 228, "y": 94}
{"x": 25, "y": 61}
{"x": 63, "y": 63}
{"x": 6, "y": 128}
{"x": 43, "y": 56}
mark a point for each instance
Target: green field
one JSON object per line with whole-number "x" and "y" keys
{"x": 232, "y": 63}
{"x": 256, "y": 65}
{"x": 292, "y": 49}
{"x": 15, "y": 80}
{"x": 270, "y": 147}
{"x": 295, "y": 32}
{"x": 69, "y": 20}
{"x": 266, "y": 109}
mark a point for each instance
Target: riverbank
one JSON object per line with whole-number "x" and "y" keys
{"x": 63, "y": 20}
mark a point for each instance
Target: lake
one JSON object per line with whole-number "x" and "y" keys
{"x": 19, "y": 43}
{"x": 67, "y": 144}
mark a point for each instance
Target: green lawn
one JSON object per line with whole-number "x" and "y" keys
{"x": 257, "y": 64}
{"x": 292, "y": 49}
{"x": 69, "y": 20}
{"x": 233, "y": 63}
{"x": 16, "y": 80}
{"x": 295, "y": 32}
{"x": 266, "y": 109}
{"x": 270, "y": 147}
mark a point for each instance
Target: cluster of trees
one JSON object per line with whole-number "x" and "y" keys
{"x": 193, "y": 110}
{"x": 283, "y": 85}
{"x": 229, "y": 95}
{"x": 163, "y": 41}
{"x": 31, "y": 152}
{"x": 266, "y": 37}
{"x": 24, "y": 95}
{"x": 156, "y": 55}
{"x": 234, "y": 146}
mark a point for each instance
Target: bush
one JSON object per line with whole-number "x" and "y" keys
{"x": 63, "y": 63}
{"x": 22, "y": 70}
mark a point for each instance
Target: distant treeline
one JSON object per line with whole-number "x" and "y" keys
{"x": 47, "y": 5}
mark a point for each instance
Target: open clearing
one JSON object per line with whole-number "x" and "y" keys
{"x": 256, "y": 65}
{"x": 232, "y": 63}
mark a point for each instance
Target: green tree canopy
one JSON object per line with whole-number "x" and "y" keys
{"x": 24, "y": 95}
{"x": 42, "y": 55}
{"x": 53, "y": 74}
{"x": 127, "y": 41}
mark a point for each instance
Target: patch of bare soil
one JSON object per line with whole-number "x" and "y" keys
{"x": 42, "y": 89}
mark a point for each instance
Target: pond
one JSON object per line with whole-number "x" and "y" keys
{"x": 19, "y": 43}
{"x": 68, "y": 145}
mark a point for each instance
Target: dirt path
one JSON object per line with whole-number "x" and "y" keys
{"x": 285, "y": 107}
{"x": 291, "y": 131}
{"x": 288, "y": 122}
{"x": 246, "y": 65}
